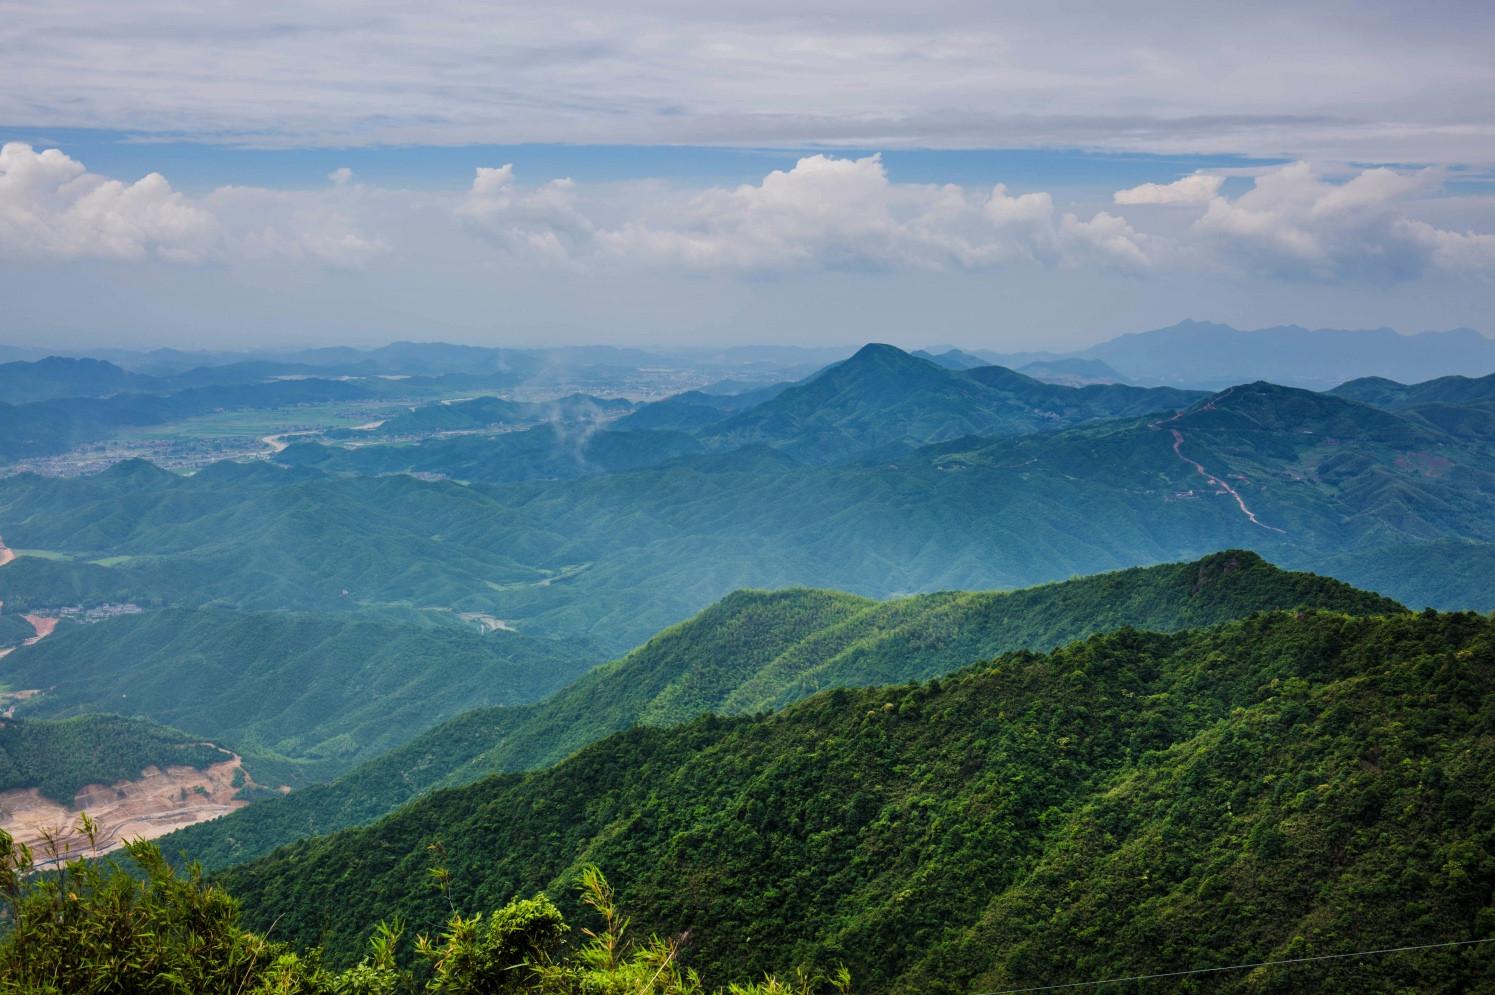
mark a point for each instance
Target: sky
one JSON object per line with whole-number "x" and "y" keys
{"x": 986, "y": 174}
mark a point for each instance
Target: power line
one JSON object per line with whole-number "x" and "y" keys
{"x": 1240, "y": 967}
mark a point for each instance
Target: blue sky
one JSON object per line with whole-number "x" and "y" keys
{"x": 998, "y": 175}
{"x": 197, "y": 166}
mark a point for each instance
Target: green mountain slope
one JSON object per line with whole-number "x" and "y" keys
{"x": 255, "y": 536}
{"x": 553, "y": 451}
{"x": 60, "y": 757}
{"x": 301, "y": 696}
{"x": 757, "y": 650}
{"x": 883, "y": 397}
{"x": 614, "y": 557}
{"x": 696, "y": 409}
{"x": 1385, "y": 393}
{"x": 56, "y": 425}
{"x": 1447, "y": 573}
{"x": 1307, "y": 466}
{"x": 484, "y": 413}
{"x": 1292, "y": 784}
{"x": 57, "y": 376}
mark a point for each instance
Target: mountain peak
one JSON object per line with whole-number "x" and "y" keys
{"x": 881, "y": 352}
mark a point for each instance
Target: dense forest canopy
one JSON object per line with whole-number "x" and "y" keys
{"x": 758, "y": 650}
{"x": 1295, "y": 783}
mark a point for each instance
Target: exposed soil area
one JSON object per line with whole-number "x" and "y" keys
{"x": 9, "y": 699}
{"x": 43, "y": 625}
{"x": 155, "y": 803}
{"x": 5, "y": 554}
{"x": 486, "y": 622}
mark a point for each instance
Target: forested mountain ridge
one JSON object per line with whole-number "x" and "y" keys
{"x": 481, "y": 413}
{"x": 1386, "y": 393}
{"x": 57, "y": 424}
{"x": 615, "y": 556}
{"x": 59, "y": 757}
{"x": 884, "y": 397}
{"x": 57, "y": 376}
{"x": 757, "y": 650}
{"x": 1214, "y": 355}
{"x": 1290, "y": 784}
{"x": 555, "y": 450}
{"x": 1290, "y": 463}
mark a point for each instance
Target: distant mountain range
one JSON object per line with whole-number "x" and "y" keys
{"x": 1206, "y": 355}
{"x": 884, "y": 399}
{"x": 1191, "y": 354}
{"x": 935, "y": 787}
{"x": 884, "y": 474}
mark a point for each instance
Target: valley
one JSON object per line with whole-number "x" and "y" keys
{"x": 648, "y": 632}
{"x": 747, "y": 498}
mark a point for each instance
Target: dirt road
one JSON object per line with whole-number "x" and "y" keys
{"x": 1221, "y": 487}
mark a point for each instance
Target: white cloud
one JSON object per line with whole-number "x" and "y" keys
{"x": 1295, "y": 223}
{"x": 544, "y": 222}
{"x": 1376, "y": 81}
{"x": 837, "y": 213}
{"x": 1195, "y": 189}
{"x": 52, "y": 207}
{"x": 826, "y": 213}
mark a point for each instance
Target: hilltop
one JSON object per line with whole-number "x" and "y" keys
{"x": 883, "y": 397}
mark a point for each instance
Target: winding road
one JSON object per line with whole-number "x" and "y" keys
{"x": 1221, "y": 486}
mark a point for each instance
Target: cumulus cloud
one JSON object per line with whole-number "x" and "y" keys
{"x": 1195, "y": 189}
{"x": 838, "y": 213}
{"x": 544, "y": 222}
{"x": 52, "y": 207}
{"x": 826, "y": 212}
{"x": 1296, "y": 223}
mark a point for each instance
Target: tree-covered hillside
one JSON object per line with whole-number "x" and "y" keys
{"x": 552, "y": 451}
{"x": 483, "y": 413}
{"x": 302, "y": 697}
{"x": 882, "y": 398}
{"x": 1294, "y": 784}
{"x": 56, "y": 425}
{"x": 1385, "y": 393}
{"x": 616, "y": 556}
{"x": 60, "y": 757}
{"x": 757, "y": 650}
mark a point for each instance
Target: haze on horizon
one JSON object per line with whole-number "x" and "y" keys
{"x": 1008, "y": 179}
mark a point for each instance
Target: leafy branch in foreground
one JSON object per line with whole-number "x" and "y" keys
{"x": 95, "y": 927}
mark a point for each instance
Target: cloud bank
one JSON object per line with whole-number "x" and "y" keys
{"x": 52, "y": 207}
{"x": 1377, "y": 81}
{"x": 837, "y": 213}
{"x": 1295, "y": 222}
{"x": 825, "y": 213}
